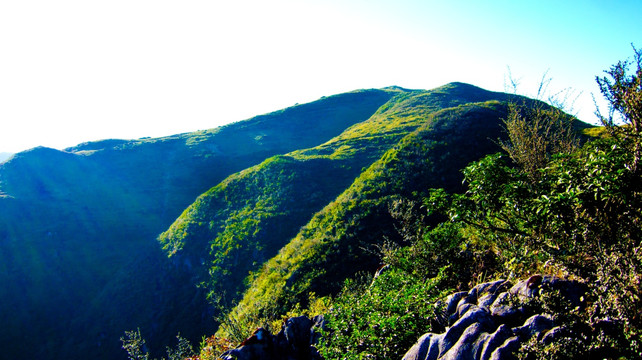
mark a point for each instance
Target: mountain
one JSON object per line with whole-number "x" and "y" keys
{"x": 79, "y": 261}
{"x": 310, "y": 213}
{"x": 243, "y": 220}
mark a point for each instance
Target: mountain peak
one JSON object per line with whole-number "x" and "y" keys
{"x": 398, "y": 88}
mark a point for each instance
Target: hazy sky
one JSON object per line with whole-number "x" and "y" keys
{"x": 75, "y": 71}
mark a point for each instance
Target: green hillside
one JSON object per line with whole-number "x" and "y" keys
{"x": 340, "y": 240}
{"x": 79, "y": 263}
{"x": 242, "y": 222}
{"x": 445, "y": 207}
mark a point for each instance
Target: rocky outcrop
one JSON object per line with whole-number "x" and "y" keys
{"x": 295, "y": 341}
{"x": 489, "y": 322}
{"x": 492, "y": 320}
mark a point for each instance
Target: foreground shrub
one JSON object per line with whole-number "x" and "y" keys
{"x": 380, "y": 320}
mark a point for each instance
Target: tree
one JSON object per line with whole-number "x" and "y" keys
{"x": 623, "y": 91}
{"x": 583, "y": 215}
{"x": 541, "y": 128}
{"x": 536, "y": 133}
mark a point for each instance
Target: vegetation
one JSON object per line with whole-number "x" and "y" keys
{"x": 79, "y": 263}
{"x": 556, "y": 208}
{"x": 581, "y": 219}
{"x": 535, "y": 133}
{"x": 624, "y": 94}
{"x": 134, "y": 345}
{"x": 308, "y": 203}
{"x": 381, "y": 320}
{"x": 339, "y": 241}
{"x": 245, "y": 220}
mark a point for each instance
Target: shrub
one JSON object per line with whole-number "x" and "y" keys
{"x": 380, "y": 320}
{"x": 134, "y": 345}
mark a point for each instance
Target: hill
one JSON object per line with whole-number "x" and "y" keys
{"x": 79, "y": 262}
{"x": 538, "y": 245}
{"x": 338, "y": 194}
{"x": 241, "y": 222}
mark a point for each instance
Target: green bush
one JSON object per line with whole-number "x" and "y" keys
{"x": 382, "y": 319}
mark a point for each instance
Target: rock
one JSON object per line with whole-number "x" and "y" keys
{"x": 486, "y": 288}
{"x": 297, "y": 331}
{"x": 485, "y": 325}
{"x": 571, "y": 290}
{"x": 463, "y": 308}
{"x": 453, "y": 301}
{"x": 534, "y": 325}
{"x": 505, "y": 313}
{"x": 487, "y": 300}
{"x": 258, "y": 346}
{"x": 424, "y": 348}
{"x": 552, "y": 335}
{"x": 507, "y": 350}
{"x": 495, "y": 340}
{"x": 295, "y": 341}
{"x": 475, "y": 316}
{"x": 319, "y": 324}
{"x": 467, "y": 345}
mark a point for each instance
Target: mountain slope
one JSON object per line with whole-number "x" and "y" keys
{"x": 296, "y": 199}
{"x": 233, "y": 228}
{"x": 339, "y": 241}
{"x": 79, "y": 262}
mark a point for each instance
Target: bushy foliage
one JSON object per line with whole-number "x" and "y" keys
{"x": 432, "y": 249}
{"x": 380, "y": 320}
{"x": 582, "y": 218}
{"x": 559, "y": 209}
{"x": 623, "y": 91}
{"x": 535, "y": 133}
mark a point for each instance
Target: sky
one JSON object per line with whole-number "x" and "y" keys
{"x": 83, "y": 70}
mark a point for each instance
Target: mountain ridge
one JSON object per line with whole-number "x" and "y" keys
{"x": 381, "y": 132}
{"x": 226, "y": 202}
{"x": 119, "y": 194}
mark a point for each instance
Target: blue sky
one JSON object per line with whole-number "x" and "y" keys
{"x": 76, "y": 70}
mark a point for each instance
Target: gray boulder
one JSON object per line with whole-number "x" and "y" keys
{"x": 489, "y": 322}
{"x": 295, "y": 341}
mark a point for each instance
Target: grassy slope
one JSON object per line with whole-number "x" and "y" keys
{"x": 238, "y": 224}
{"x": 78, "y": 260}
{"x": 243, "y": 221}
{"x": 248, "y": 217}
{"x": 332, "y": 246}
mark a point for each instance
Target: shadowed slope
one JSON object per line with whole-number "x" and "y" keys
{"x": 78, "y": 260}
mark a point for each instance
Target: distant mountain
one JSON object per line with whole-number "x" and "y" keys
{"x": 116, "y": 235}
